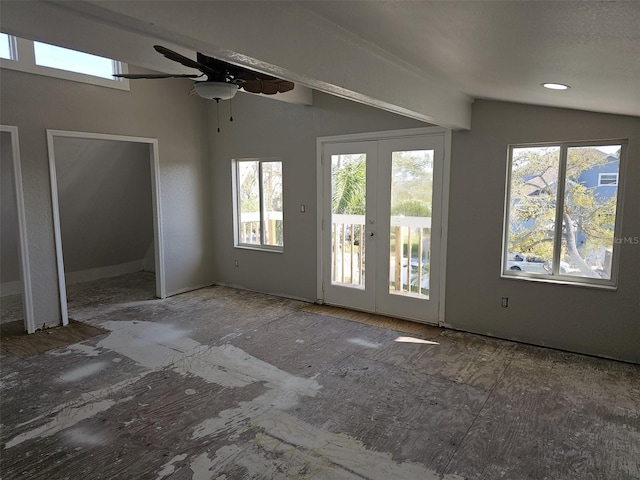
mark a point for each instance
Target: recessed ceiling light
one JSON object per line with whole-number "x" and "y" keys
{"x": 555, "y": 86}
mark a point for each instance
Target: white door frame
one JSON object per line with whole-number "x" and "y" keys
{"x": 155, "y": 205}
{"x": 444, "y": 214}
{"x": 23, "y": 245}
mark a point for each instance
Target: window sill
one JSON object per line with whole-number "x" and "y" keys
{"x": 561, "y": 280}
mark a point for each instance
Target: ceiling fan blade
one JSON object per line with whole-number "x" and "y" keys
{"x": 176, "y": 57}
{"x": 135, "y": 76}
{"x": 285, "y": 86}
{"x": 252, "y": 86}
{"x": 267, "y": 87}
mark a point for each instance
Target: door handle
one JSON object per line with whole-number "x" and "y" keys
{"x": 371, "y": 234}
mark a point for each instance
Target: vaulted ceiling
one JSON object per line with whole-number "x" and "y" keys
{"x": 427, "y": 60}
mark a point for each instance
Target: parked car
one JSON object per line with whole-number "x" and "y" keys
{"x": 534, "y": 264}
{"x": 524, "y": 263}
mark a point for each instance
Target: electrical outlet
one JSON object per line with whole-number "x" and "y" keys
{"x": 504, "y": 302}
{"x": 236, "y": 262}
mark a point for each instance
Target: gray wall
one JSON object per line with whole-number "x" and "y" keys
{"x": 157, "y": 109}
{"x": 9, "y": 264}
{"x": 266, "y": 128}
{"x": 196, "y": 161}
{"x": 104, "y": 195}
{"x": 579, "y": 319}
{"x": 574, "y": 318}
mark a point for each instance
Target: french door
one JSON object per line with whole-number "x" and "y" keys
{"x": 381, "y": 218}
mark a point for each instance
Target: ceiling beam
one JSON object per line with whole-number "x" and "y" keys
{"x": 279, "y": 38}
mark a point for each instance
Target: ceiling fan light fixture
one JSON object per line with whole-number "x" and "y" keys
{"x": 216, "y": 90}
{"x": 556, "y": 86}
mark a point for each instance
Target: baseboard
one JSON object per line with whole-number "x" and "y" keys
{"x": 103, "y": 272}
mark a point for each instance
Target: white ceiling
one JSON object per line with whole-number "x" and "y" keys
{"x": 424, "y": 59}
{"x": 504, "y": 50}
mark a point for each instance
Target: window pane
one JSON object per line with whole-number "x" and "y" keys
{"x": 72, "y": 60}
{"x": 249, "y": 202}
{"x": 410, "y": 234}
{"x": 5, "y": 46}
{"x": 608, "y": 179}
{"x": 532, "y": 209}
{"x": 589, "y": 213}
{"x": 272, "y": 202}
{"x": 348, "y": 207}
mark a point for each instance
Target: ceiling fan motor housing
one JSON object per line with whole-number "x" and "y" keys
{"x": 216, "y": 90}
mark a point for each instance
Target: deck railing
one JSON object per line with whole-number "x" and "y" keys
{"x": 250, "y": 228}
{"x": 348, "y": 247}
{"x": 409, "y": 245}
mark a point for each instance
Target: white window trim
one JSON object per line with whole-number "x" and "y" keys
{"x": 23, "y": 60}
{"x": 556, "y": 277}
{"x": 615, "y": 184}
{"x": 236, "y": 206}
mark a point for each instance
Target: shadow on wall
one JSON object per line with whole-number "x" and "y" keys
{"x": 105, "y": 204}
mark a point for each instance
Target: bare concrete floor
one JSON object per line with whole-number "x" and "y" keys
{"x": 225, "y": 384}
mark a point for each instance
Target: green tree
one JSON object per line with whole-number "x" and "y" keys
{"x": 349, "y": 179}
{"x": 412, "y": 182}
{"x": 534, "y": 183}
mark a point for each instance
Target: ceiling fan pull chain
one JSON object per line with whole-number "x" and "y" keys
{"x": 218, "y": 112}
{"x": 230, "y": 111}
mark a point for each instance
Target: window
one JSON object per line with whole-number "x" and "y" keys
{"x": 607, "y": 179}
{"x": 559, "y": 225}
{"x": 6, "y": 47}
{"x": 53, "y": 61}
{"x": 258, "y": 218}
{"x": 73, "y": 61}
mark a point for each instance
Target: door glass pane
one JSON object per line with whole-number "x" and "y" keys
{"x": 410, "y": 235}
{"x": 589, "y": 211}
{"x": 532, "y": 209}
{"x": 348, "y": 207}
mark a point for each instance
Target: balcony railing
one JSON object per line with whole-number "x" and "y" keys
{"x": 250, "y": 228}
{"x": 409, "y": 252}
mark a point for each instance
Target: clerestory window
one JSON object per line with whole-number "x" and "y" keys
{"x": 53, "y": 61}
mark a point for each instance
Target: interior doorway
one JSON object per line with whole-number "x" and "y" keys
{"x": 15, "y": 281}
{"x": 107, "y": 221}
{"x": 382, "y": 222}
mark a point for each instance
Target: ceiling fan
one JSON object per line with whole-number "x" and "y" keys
{"x": 223, "y": 80}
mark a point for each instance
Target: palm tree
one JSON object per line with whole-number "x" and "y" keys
{"x": 349, "y": 182}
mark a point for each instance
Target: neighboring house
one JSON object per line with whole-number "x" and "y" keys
{"x": 604, "y": 182}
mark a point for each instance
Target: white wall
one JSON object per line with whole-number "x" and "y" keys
{"x": 264, "y": 128}
{"x": 155, "y": 109}
{"x": 579, "y": 319}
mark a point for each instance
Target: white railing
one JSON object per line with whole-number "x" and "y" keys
{"x": 347, "y": 245}
{"x": 250, "y": 227}
{"x": 409, "y": 245}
